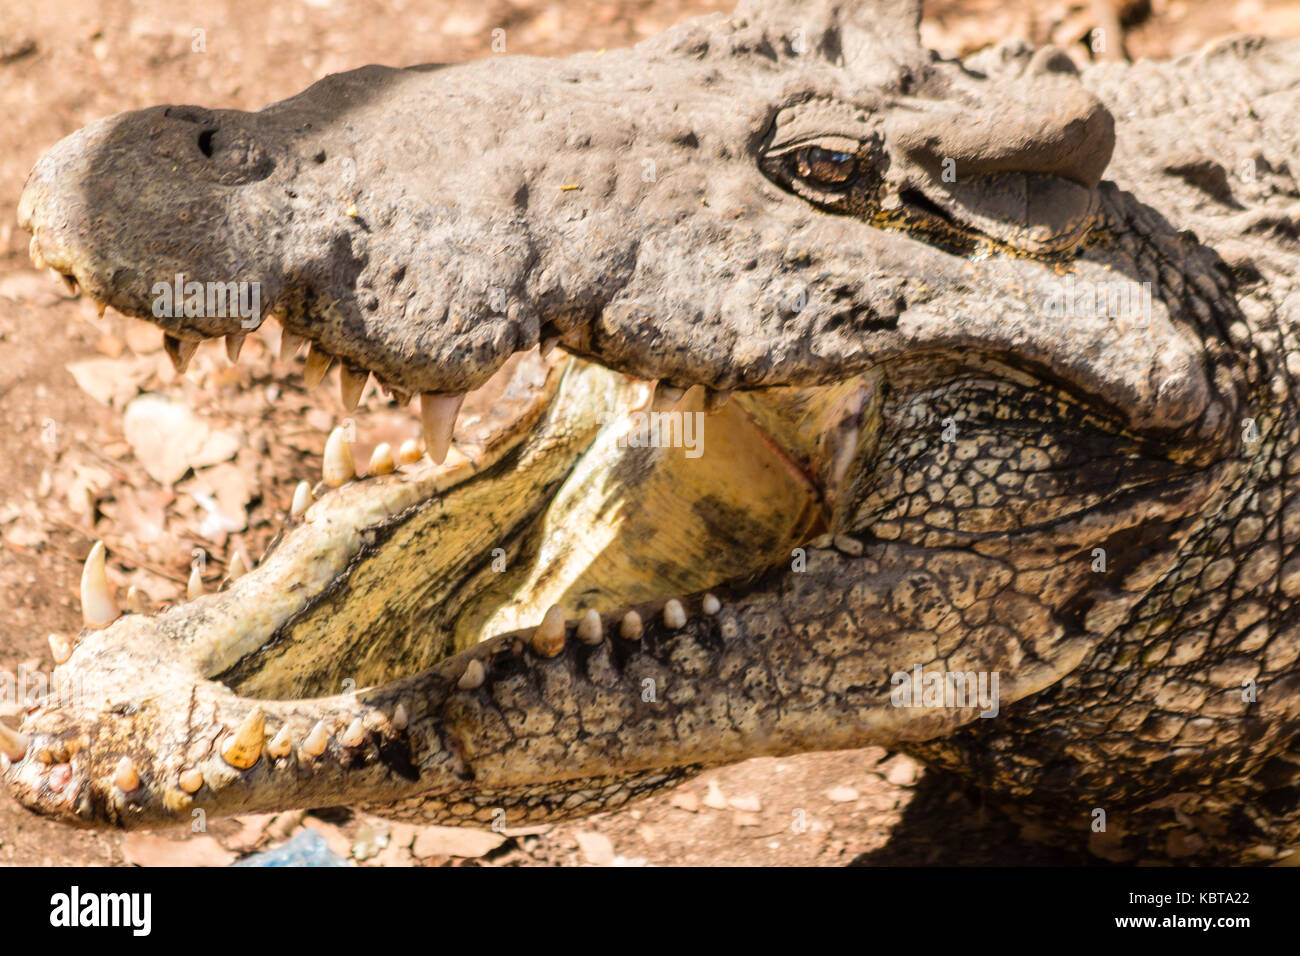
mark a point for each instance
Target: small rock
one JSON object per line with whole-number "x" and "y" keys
{"x": 597, "y": 848}
{"x": 715, "y": 799}
{"x": 902, "y": 771}
{"x": 455, "y": 841}
{"x": 148, "y": 849}
{"x": 743, "y": 819}
{"x": 685, "y": 800}
{"x": 750, "y": 804}
{"x": 842, "y": 794}
{"x": 370, "y": 840}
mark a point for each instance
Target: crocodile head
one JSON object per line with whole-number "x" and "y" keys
{"x": 937, "y": 460}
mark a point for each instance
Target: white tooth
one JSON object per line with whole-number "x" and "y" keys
{"x": 194, "y": 588}
{"x": 234, "y": 342}
{"x": 355, "y": 735}
{"x": 314, "y": 744}
{"x": 289, "y": 345}
{"x": 34, "y": 250}
{"x": 473, "y": 677}
{"x": 674, "y": 614}
{"x": 68, "y": 281}
{"x": 60, "y": 647}
{"x": 548, "y": 639}
{"x": 137, "y": 602}
{"x": 238, "y": 567}
{"x": 338, "y": 468}
{"x": 400, "y": 717}
{"x": 710, "y": 605}
{"x": 98, "y": 607}
{"x": 590, "y": 629}
{"x": 666, "y": 397}
{"x": 12, "y": 744}
{"x": 631, "y": 629}
{"x": 124, "y": 777}
{"x": 318, "y": 364}
{"x": 547, "y": 344}
{"x": 180, "y": 351}
{"x": 352, "y": 382}
{"x": 301, "y": 500}
{"x": 191, "y": 780}
{"x": 409, "y": 452}
{"x": 438, "y": 413}
{"x": 281, "y": 743}
{"x": 244, "y": 747}
{"x": 381, "y": 460}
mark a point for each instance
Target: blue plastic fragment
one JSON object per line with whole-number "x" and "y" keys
{"x": 307, "y": 848}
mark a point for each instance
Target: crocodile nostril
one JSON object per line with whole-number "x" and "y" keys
{"x": 205, "y": 142}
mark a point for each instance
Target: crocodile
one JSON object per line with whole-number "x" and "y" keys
{"x": 785, "y": 387}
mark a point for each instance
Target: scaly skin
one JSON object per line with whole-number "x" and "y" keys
{"x": 929, "y": 461}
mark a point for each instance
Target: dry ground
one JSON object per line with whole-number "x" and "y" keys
{"x": 76, "y": 470}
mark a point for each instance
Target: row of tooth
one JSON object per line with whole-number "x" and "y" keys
{"x": 548, "y": 639}
{"x": 245, "y": 746}
{"x": 241, "y": 750}
{"x": 437, "y": 412}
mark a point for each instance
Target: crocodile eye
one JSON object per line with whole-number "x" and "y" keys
{"x": 825, "y": 167}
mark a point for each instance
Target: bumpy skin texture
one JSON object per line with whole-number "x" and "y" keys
{"x": 869, "y": 244}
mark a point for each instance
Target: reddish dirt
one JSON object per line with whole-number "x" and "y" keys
{"x": 74, "y": 478}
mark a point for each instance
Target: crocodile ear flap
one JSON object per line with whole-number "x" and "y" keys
{"x": 875, "y": 40}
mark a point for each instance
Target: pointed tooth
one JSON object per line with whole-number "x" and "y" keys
{"x": 244, "y": 746}
{"x": 355, "y": 735}
{"x": 548, "y": 639}
{"x": 381, "y": 460}
{"x": 590, "y": 629}
{"x": 34, "y": 250}
{"x": 409, "y": 452}
{"x": 473, "y": 677}
{"x": 289, "y": 344}
{"x": 234, "y": 344}
{"x": 194, "y": 587}
{"x": 314, "y": 744}
{"x": 715, "y": 399}
{"x": 281, "y": 744}
{"x": 318, "y": 364}
{"x": 100, "y": 308}
{"x": 666, "y": 397}
{"x": 338, "y": 467}
{"x": 238, "y": 567}
{"x": 674, "y": 614}
{"x": 352, "y": 382}
{"x": 69, "y": 282}
{"x": 190, "y": 780}
{"x": 98, "y": 607}
{"x": 137, "y": 602}
{"x": 547, "y": 344}
{"x": 710, "y": 605}
{"x": 438, "y": 413}
{"x": 180, "y": 351}
{"x": 124, "y": 777}
{"x": 12, "y": 744}
{"x": 400, "y": 718}
{"x": 301, "y": 500}
{"x": 631, "y": 627}
{"x": 61, "y": 648}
